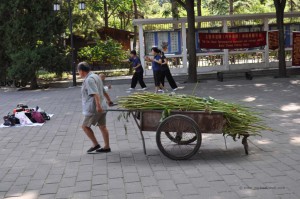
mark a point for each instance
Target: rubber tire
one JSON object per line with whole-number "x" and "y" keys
{"x": 193, "y": 124}
{"x": 180, "y": 142}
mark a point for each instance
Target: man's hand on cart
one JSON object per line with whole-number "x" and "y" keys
{"x": 110, "y": 103}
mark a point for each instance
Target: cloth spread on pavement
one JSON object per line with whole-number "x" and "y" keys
{"x": 20, "y": 125}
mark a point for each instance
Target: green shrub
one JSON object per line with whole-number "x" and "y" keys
{"x": 106, "y": 52}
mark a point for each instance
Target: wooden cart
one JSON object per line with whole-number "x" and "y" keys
{"x": 179, "y": 136}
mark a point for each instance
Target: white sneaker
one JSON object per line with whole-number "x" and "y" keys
{"x": 144, "y": 88}
{"x": 175, "y": 89}
{"x": 130, "y": 89}
{"x": 160, "y": 91}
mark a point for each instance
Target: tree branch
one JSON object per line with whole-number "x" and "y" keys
{"x": 113, "y": 11}
{"x": 180, "y": 2}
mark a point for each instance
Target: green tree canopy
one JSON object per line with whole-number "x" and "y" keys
{"x": 33, "y": 38}
{"x": 109, "y": 52}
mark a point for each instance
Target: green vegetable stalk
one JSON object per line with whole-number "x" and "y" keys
{"x": 240, "y": 120}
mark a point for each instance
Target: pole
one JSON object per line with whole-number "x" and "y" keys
{"x": 142, "y": 47}
{"x": 266, "y": 28}
{"x": 72, "y": 43}
{"x": 226, "y": 51}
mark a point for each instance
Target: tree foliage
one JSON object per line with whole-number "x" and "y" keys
{"x": 222, "y": 7}
{"x": 32, "y": 35}
{"x": 108, "y": 52}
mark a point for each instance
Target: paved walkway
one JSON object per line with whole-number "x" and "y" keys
{"x": 50, "y": 161}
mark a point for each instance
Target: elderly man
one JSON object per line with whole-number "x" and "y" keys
{"x": 94, "y": 107}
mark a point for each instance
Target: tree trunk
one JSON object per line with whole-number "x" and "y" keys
{"x": 105, "y": 14}
{"x": 280, "y": 5}
{"x": 135, "y": 27}
{"x": 230, "y": 7}
{"x": 199, "y": 11}
{"x": 192, "y": 71}
{"x": 231, "y": 11}
{"x": 34, "y": 84}
{"x": 175, "y": 13}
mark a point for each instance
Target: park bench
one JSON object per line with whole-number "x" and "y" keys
{"x": 247, "y": 73}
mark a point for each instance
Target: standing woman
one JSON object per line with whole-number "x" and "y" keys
{"x": 156, "y": 65}
{"x": 165, "y": 72}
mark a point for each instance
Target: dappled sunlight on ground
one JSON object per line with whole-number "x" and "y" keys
{"x": 30, "y": 195}
{"x": 51, "y": 161}
{"x": 260, "y": 105}
{"x": 264, "y": 141}
{"x": 297, "y": 121}
{"x": 249, "y": 99}
{"x": 290, "y": 107}
{"x": 295, "y": 82}
{"x": 259, "y": 85}
{"x": 295, "y": 140}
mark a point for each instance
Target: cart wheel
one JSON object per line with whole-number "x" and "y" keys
{"x": 179, "y": 127}
{"x": 177, "y": 138}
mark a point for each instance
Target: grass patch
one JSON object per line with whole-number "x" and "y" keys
{"x": 47, "y": 76}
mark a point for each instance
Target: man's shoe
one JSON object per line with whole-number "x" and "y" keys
{"x": 102, "y": 150}
{"x": 93, "y": 148}
{"x": 145, "y": 88}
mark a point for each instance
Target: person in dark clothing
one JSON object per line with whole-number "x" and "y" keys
{"x": 156, "y": 64}
{"x": 166, "y": 73}
{"x": 138, "y": 75}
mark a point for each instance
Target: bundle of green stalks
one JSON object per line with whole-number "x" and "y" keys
{"x": 240, "y": 120}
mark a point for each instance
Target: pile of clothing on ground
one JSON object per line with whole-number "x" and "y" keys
{"x": 25, "y": 116}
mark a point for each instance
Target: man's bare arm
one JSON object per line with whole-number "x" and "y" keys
{"x": 97, "y": 100}
{"x": 107, "y": 98}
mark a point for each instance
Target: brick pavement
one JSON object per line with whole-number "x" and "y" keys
{"x": 50, "y": 161}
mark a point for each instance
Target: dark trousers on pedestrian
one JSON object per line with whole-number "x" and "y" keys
{"x": 138, "y": 77}
{"x": 167, "y": 74}
{"x": 157, "y": 78}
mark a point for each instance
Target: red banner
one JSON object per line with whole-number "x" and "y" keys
{"x": 232, "y": 40}
{"x": 296, "y": 49}
{"x": 273, "y": 40}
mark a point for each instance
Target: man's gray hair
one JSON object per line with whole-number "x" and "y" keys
{"x": 84, "y": 66}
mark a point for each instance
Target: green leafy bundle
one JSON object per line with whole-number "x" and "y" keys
{"x": 240, "y": 120}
